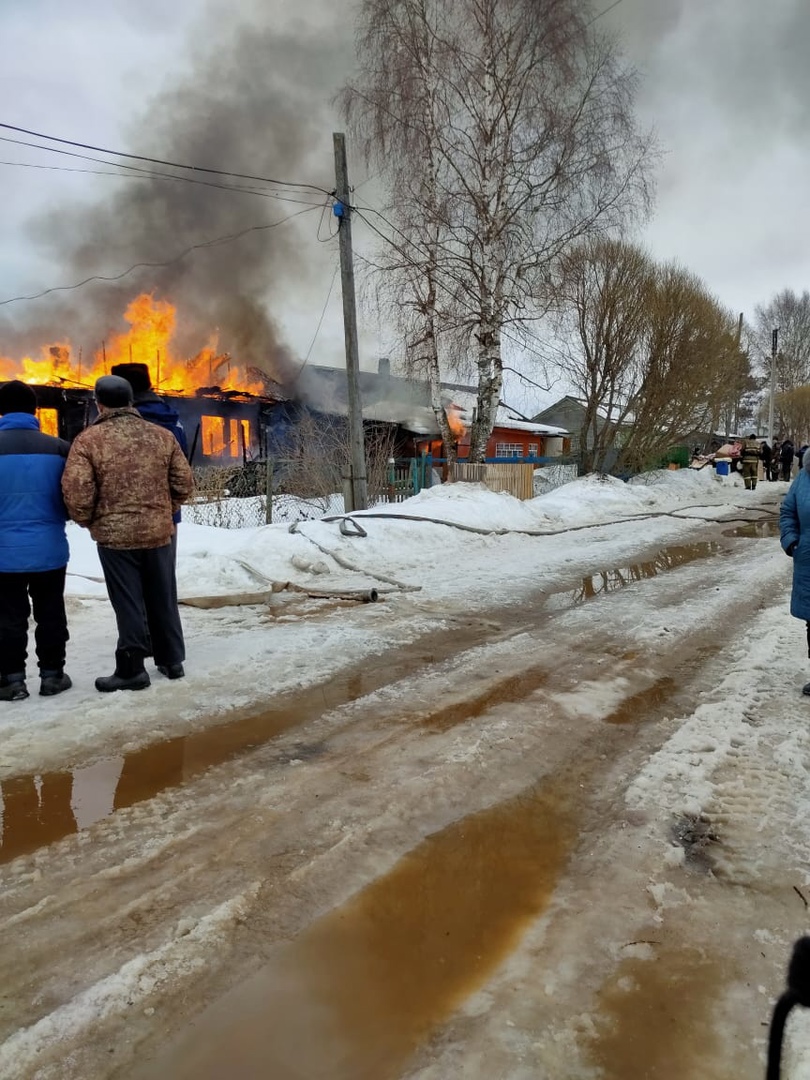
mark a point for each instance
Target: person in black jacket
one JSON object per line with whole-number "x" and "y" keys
{"x": 33, "y": 546}
{"x": 786, "y": 458}
{"x": 767, "y": 456}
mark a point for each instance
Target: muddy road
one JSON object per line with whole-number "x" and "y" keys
{"x": 446, "y": 862}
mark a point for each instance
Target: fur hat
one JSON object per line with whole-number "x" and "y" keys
{"x": 137, "y": 375}
{"x": 17, "y": 396}
{"x": 113, "y": 391}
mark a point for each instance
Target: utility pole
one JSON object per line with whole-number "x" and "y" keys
{"x": 774, "y": 347}
{"x": 342, "y": 209}
{"x": 735, "y": 426}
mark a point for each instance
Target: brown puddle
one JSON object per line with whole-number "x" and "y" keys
{"x": 636, "y": 709}
{"x": 756, "y": 530}
{"x": 657, "y": 1019}
{"x": 38, "y": 810}
{"x": 357, "y": 992}
{"x": 510, "y": 689}
{"x": 608, "y": 581}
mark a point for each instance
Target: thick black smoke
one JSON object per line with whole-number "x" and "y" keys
{"x": 258, "y": 100}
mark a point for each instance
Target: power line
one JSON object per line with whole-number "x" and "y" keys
{"x": 601, "y": 14}
{"x": 320, "y": 322}
{"x": 150, "y": 173}
{"x": 64, "y": 168}
{"x": 158, "y": 265}
{"x": 160, "y": 161}
{"x": 331, "y": 235}
{"x": 446, "y": 288}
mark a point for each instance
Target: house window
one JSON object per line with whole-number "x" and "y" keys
{"x": 239, "y": 437}
{"x": 533, "y": 449}
{"x": 224, "y": 438}
{"x": 48, "y": 421}
{"x": 213, "y": 436}
{"x": 505, "y": 449}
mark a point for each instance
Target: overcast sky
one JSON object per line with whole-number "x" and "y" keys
{"x": 725, "y": 83}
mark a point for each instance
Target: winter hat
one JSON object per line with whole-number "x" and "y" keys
{"x": 17, "y": 396}
{"x": 113, "y": 391}
{"x": 137, "y": 375}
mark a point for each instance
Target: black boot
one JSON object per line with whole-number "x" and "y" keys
{"x": 54, "y": 682}
{"x": 171, "y": 671}
{"x": 13, "y": 688}
{"x": 129, "y": 673}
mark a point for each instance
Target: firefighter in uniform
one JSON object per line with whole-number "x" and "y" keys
{"x": 750, "y": 455}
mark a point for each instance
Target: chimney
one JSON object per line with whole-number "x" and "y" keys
{"x": 384, "y": 367}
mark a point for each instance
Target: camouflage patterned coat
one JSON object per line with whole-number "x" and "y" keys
{"x": 123, "y": 480}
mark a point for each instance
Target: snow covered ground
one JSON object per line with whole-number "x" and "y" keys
{"x": 240, "y": 656}
{"x": 604, "y": 646}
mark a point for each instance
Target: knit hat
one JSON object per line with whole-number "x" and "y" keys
{"x": 17, "y": 396}
{"x": 137, "y": 375}
{"x": 113, "y": 391}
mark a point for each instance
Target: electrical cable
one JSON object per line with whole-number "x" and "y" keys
{"x": 332, "y": 235}
{"x": 388, "y": 240}
{"x": 65, "y": 168}
{"x": 157, "y": 265}
{"x": 139, "y": 172}
{"x": 160, "y": 161}
{"x": 602, "y": 14}
{"x": 320, "y": 322}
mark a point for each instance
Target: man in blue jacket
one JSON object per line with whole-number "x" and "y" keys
{"x": 33, "y": 546}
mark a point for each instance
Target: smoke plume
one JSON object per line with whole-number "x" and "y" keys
{"x": 257, "y": 100}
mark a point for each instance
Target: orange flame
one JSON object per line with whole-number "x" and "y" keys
{"x": 148, "y": 341}
{"x": 456, "y": 424}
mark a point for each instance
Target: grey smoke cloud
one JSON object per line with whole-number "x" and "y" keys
{"x": 256, "y": 99}
{"x": 747, "y": 60}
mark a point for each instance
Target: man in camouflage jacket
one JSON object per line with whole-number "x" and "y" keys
{"x": 124, "y": 479}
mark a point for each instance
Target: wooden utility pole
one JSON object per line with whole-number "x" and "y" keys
{"x": 733, "y": 416}
{"x": 359, "y": 483}
{"x": 774, "y": 349}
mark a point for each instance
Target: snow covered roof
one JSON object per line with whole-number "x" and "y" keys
{"x": 536, "y": 429}
{"x": 466, "y": 401}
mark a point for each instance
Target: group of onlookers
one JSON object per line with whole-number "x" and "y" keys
{"x": 777, "y": 460}
{"x": 124, "y": 478}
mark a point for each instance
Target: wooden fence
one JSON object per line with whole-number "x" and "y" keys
{"x": 514, "y": 478}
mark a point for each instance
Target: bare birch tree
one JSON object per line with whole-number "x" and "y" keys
{"x": 789, "y": 313}
{"x": 504, "y": 131}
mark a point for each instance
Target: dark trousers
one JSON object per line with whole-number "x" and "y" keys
{"x": 786, "y": 469}
{"x": 142, "y": 588}
{"x": 46, "y": 590}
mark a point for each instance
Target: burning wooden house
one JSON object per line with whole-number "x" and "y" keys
{"x": 224, "y": 409}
